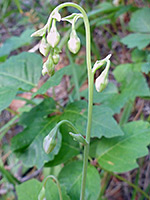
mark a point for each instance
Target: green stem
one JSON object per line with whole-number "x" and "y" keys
{"x": 90, "y": 89}
{"x": 58, "y": 185}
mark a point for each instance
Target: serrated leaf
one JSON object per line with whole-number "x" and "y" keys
{"x": 71, "y": 175}
{"x": 120, "y": 154}
{"x": 52, "y": 191}
{"x": 21, "y": 71}
{"x": 103, "y": 123}
{"x": 7, "y": 94}
{"x": 139, "y": 40}
{"x": 29, "y": 190}
{"x": 140, "y": 21}
{"x": 15, "y": 42}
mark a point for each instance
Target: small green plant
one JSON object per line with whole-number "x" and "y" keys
{"x": 49, "y": 46}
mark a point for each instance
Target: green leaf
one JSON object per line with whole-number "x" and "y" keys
{"x": 146, "y": 67}
{"x": 140, "y": 21}
{"x": 21, "y": 71}
{"x": 103, "y": 123}
{"x": 110, "y": 97}
{"x": 28, "y": 145}
{"x": 15, "y": 42}
{"x": 138, "y": 55}
{"x": 55, "y": 80}
{"x": 29, "y": 190}
{"x": 133, "y": 83}
{"x": 7, "y": 95}
{"x": 71, "y": 176}
{"x": 119, "y": 154}
{"x": 52, "y": 191}
{"x": 139, "y": 40}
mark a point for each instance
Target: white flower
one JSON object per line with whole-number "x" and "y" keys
{"x": 44, "y": 47}
{"x": 74, "y": 42}
{"x": 53, "y": 36}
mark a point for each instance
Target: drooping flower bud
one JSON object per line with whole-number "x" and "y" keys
{"x": 50, "y": 140}
{"x": 41, "y": 195}
{"x": 53, "y": 36}
{"x": 44, "y": 47}
{"x": 55, "y": 55}
{"x": 40, "y": 32}
{"x": 55, "y": 58}
{"x": 74, "y": 42}
{"x": 79, "y": 138}
{"x": 102, "y": 81}
{"x": 56, "y": 15}
{"x": 48, "y": 67}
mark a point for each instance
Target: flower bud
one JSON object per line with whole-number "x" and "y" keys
{"x": 44, "y": 47}
{"x": 74, "y": 42}
{"x": 48, "y": 67}
{"x": 41, "y": 195}
{"x": 53, "y": 36}
{"x": 78, "y": 138}
{"x": 56, "y": 15}
{"x": 39, "y": 32}
{"x": 102, "y": 81}
{"x": 55, "y": 58}
{"x": 50, "y": 140}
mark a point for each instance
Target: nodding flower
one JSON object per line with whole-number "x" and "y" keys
{"x": 74, "y": 42}
{"x": 50, "y": 141}
{"x": 53, "y": 36}
{"x": 48, "y": 67}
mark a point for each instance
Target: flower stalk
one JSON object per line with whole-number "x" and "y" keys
{"x": 53, "y": 38}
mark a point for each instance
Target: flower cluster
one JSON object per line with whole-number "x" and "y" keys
{"x": 51, "y": 37}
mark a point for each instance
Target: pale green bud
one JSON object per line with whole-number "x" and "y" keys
{"x": 56, "y": 15}
{"x": 41, "y": 195}
{"x": 50, "y": 141}
{"x": 39, "y": 32}
{"x": 48, "y": 67}
{"x": 55, "y": 58}
{"x": 79, "y": 138}
{"x": 100, "y": 63}
{"x": 44, "y": 47}
{"x": 74, "y": 42}
{"x": 53, "y": 36}
{"x": 102, "y": 81}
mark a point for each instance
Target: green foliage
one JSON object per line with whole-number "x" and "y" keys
{"x": 52, "y": 191}
{"x": 15, "y": 42}
{"x": 140, "y": 25}
{"x": 120, "y": 153}
{"x": 71, "y": 175}
{"x": 18, "y": 72}
{"x": 29, "y": 190}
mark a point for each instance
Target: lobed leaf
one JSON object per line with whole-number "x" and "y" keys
{"x": 120, "y": 153}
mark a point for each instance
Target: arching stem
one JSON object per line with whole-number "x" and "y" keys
{"x": 90, "y": 89}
